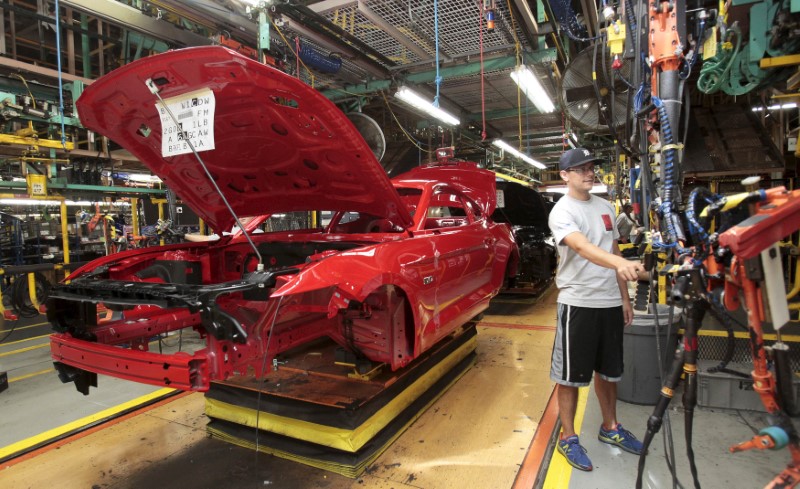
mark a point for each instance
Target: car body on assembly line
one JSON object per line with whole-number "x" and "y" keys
{"x": 399, "y": 265}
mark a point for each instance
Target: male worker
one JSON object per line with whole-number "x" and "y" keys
{"x": 593, "y": 306}
{"x": 626, "y": 223}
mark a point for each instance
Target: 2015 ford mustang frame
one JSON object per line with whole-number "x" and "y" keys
{"x": 401, "y": 264}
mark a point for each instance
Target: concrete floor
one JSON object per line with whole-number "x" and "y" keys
{"x": 37, "y": 402}
{"x": 476, "y": 435}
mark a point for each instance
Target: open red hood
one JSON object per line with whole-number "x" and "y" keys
{"x": 272, "y": 143}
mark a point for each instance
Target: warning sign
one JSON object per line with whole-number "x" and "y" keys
{"x": 195, "y": 116}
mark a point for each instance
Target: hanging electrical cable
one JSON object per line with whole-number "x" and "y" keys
{"x": 60, "y": 82}
{"x": 297, "y": 58}
{"x": 405, "y": 132}
{"x": 568, "y": 21}
{"x": 20, "y": 295}
{"x": 438, "y": 78}
{"x": 483, "y": 91}
{"x": 295, "y": 53}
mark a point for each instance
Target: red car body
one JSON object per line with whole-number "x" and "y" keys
{"x": 401, "y": 264}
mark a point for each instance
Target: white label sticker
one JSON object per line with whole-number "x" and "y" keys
{"x": 501, "y": 199}
{"x": 194, "y": 113}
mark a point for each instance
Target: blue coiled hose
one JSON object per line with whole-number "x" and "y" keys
{"x": 671, "y": 220}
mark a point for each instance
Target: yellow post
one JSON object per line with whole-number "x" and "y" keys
{"x": 135, "y": 215}
{"x": 202, "y": 227}
{"x": 65, "y": 236}
{"x": 161, "y": 217}
{"x": 32, "y": 290}
{"x": 2, "y": 308}
{"x": 661, "y": 261}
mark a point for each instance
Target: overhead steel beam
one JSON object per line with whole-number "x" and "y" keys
{"x": 358, "y": 90}
{"x": 529, "y": 25}
{"x": 213, "y": 12}
{"x": 29, "y": 68}
{"x": 326, "y": 5}
{"x": 590, "y": 16}
{"x": 130, "y": 18}
{"x": 779, "y": 61}
{"x": 503, "y": 114}
{"x": 474, "y": 68}
{"x": 81, "y": 187}
{"x": 466, "y": 69}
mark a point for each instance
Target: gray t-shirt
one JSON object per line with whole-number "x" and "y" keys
{"x": 581, "y": 282}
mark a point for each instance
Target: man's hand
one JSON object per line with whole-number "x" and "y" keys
{"x": 629, "y": 270}
{"x": 627, "y": 312}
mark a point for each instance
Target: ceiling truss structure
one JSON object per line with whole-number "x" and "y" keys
{"x": 381, "y": 43}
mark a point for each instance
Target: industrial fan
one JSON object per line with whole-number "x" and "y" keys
{"x": 370, "y": 131}
{"x": 579, "y": 97}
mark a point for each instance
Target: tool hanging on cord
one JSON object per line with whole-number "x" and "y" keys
{"x": 489, "y": 11}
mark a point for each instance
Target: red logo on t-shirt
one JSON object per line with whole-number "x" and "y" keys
{"x": 607, "y": 222}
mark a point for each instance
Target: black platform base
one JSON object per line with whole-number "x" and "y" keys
{"x": 331, "y": 421}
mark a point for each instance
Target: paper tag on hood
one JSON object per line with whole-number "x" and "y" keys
{"x": 194, "y": 113}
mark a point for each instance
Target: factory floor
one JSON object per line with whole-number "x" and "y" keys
{"x": 492, "y": 429}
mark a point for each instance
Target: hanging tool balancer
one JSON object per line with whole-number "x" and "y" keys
{"x": 489, "y": 9}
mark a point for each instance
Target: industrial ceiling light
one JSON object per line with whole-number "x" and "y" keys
{"x": 530, "y": 85}
{"x": 415, "y": 100}
{"x": 791, "y": 105}
{"x": 509, "y": 149}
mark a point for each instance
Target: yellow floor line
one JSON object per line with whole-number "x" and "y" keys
{"x": 22, "y": 350}
{"x": 80, "y": 423}
{"x": 26, "y": 339}
{"x": 2, "y": 331}
{"x": 559, "y": 472}
{"x": 28, "y": 376}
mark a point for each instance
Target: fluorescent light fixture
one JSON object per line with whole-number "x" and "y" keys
{"x": 415, "y": 100}
{"x": 138, "y": 177}
{"x": 509, "y": 149}
{"x": 529, "y": 84}
{"x": 791, "y": 105}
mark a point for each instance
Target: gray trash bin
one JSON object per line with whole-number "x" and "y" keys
{"x": 641, "y": 381}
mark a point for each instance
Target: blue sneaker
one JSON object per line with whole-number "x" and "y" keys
{"x": 575, "y": 454}
{"x": 621, "y": 438}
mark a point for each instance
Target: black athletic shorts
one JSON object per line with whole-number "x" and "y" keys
{"x": 587, "y": 340}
